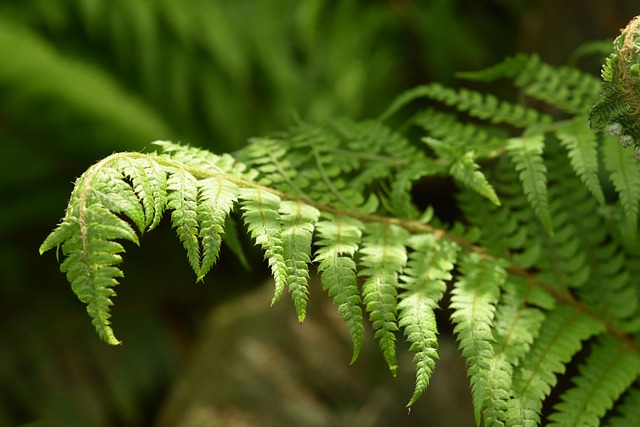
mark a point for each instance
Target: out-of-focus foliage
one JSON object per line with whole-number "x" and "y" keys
{"x": 80, "y": 79}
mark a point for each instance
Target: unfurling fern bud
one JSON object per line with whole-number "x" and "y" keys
{"x": 617, "y": 111}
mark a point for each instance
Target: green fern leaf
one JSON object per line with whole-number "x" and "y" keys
{"x": 182, "y": 199}
{"x": 473, "y": 300}
{"x": 624, "y": 175}
{"x": 561, "y": 336}
{"x": 149, "y": 181}
{"x": 580, "y": 142}
{"x": 608, "y": 371}
{"x": 91, "y": 262}
{"x": 485, "y": 141}
{"x": 337, "y": 242}
{"x": 423, "y": 281}
{"x": 485, "y": 107}
{"x": 298, "y": 221}
{"x": 260, "y": 214}
{"x": 526, "y": 153}
{"x": 216, "y": 197}
{"x": 383, "y": 255}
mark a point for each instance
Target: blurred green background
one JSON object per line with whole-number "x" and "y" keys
{"x": 80, "y": 79}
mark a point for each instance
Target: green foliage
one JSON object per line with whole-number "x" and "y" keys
{"x": 540, "y": 265}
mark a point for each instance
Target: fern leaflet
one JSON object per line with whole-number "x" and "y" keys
{"x": 262, "y": 217}
{"x": 604, "y": 376}
{"x": 383, "y": 255}
{"x": 337, "y": 243}
{"x": 526, "y": 153}
{"x": 473, "y": 300}
{"x": 423, "y": 284}
{"x": 298, "y": 221}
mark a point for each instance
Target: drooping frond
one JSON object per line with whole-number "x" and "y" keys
{"x": 337, "y": 242}
{"x": 262, "y": 217}
{"x": 298, "y": 221}
{"x": 538, "y": 255}
{"x": 383, "y": 256}
{"x": 423, "y": 284}
{"x": 87, "y": 237}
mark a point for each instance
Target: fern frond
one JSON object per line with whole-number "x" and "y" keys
{"x": 383, "y": 256}
{"x": 608, "y": 371}
{"x": 625, "y": 176}
{"x": 526, "y": 153}
{"x": 567, "y": 88}
{"x": 561, "y": 336}
{"x": 476, "y": 104}
{"x": 216, "y": 197}
{"x": 298, "y": 221}
{"x": 87, "y": 237}
{"x": 423, "y": 284}
{"x": 473, "y": 301}
{"x": 262, "y": 218}
{"x": 337, "y": 242}
{"x": 485, "y": 141}
{"x": 581, "y": 144}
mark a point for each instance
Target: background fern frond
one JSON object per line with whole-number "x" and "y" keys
{"x": 625, "y": 176}
{"x": 629, "y": 411}
{"x": 567, "y": 88}
{"x": 526, "y": 153}
{"x": 561, "y": 336}
{"x": 485, "y": 141}
{"x": 608, "y": 371}
{"x": 423, "y": 284}
{"x": 581, "y": 144}
{"x": 476, "y": 104}
{"x": 298, "y": 221}
{"x": 382, "y": 257}
{"x": 338, "y": 240}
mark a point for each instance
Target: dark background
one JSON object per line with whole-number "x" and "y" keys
{"x": 82, "y": 79}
